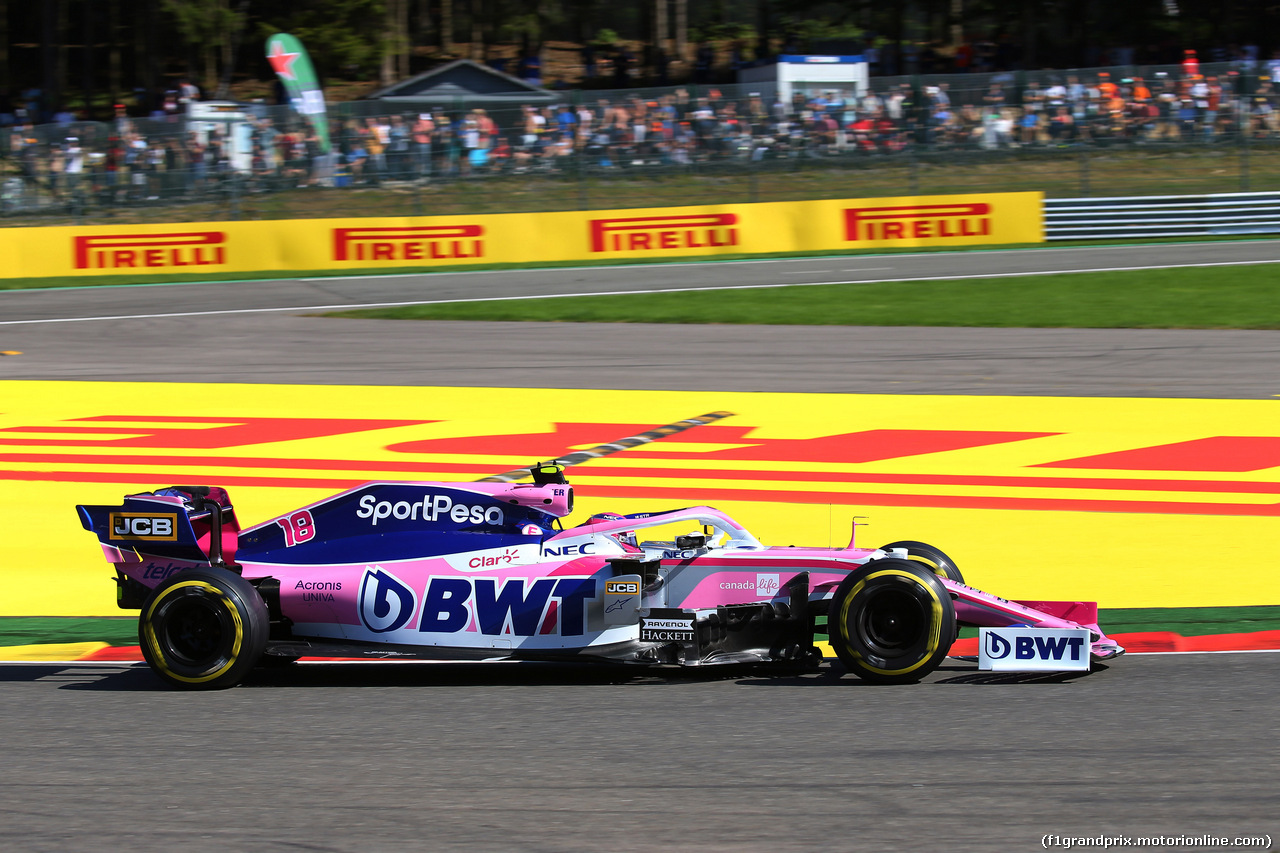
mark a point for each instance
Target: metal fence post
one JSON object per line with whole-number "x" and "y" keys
{"x": 1244, "y": 159}
{"x": 235, "y": 195}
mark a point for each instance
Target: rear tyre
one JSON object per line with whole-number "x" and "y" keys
{"x": 939, "y": 563}
{"x": 891, "y": 621}
{"x": 203, "y": 629}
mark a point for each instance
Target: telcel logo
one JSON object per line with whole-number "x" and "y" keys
{"x": 432, "y": 507}
{"x": 136, "y": 525}
{"x": 134, "y": 251}
{"x": 1034, "y": 649}
{"x": 649, "y": 233}
{"x": 423, "y": 243}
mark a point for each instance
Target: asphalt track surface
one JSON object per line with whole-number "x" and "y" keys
{"x": 258, "y": 332}
{"x": 334, "y": 757}
{"x": 503, "y": 757}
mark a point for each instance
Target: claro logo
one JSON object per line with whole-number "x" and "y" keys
{"x": 142, "y": 251}
{"x": 917, "y": 222}
{"x": 425, "y": 243}
{"x": 651, "y": 233}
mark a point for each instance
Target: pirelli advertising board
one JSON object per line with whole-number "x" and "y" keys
{"x": 417, "y": 242}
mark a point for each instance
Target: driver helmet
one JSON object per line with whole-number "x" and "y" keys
{"x": 623, "y": 537}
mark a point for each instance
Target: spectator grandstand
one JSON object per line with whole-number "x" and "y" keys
{"x": 81, "y": 169}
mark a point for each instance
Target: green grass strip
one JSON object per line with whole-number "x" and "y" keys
{"x": 1238, "y": 297}
{"x": 1187, "y": 621}
{"x": 39, "y": 630}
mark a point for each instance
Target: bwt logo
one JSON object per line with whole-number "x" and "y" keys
{"x": 386, "y": 602}
{"x": 132, "y": 525}
{"x": 522, "y": 606}
{"x": 138, "y": 251}
{"x": 921, "y": 221}
{"x": 650, "y": 233}
{"x": 1035, "y": 648}
{"x": 424, "y": 243}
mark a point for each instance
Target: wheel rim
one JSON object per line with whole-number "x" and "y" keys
{"x": 891, "y": 622}
{"x": 194, "y": 631}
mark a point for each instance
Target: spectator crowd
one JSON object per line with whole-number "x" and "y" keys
{"x": 167, "y": 156}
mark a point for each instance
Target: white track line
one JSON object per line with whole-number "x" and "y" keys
{"x": 368, "y": 305}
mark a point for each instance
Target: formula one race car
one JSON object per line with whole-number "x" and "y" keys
{"x": 484, "y": 570}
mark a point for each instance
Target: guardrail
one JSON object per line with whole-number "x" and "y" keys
{"x": 1215, "y": 215}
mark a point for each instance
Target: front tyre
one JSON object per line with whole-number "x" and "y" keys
{"x": 891, "y": 621}
{"x": 938, "y": 562}
{"x": 203, "y": 629}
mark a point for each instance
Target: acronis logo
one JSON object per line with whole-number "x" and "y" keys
{"x": 386, "y": 602}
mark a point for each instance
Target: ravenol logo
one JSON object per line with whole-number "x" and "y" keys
{"x": 1034, "y": 649}
{"x": 917, "y": 222}
{"x": 655, "y": 233}
{"x": 417, "y": 243}
{"x": 141, "y": 251}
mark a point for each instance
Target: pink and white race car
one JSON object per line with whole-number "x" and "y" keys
{"x": 483, "y": 571}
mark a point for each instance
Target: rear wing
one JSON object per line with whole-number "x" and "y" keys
{"x": 194, "y": 523}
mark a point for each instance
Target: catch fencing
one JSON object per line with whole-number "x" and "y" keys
{"x": 1212, "y": 215}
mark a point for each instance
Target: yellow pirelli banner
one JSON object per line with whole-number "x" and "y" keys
{"x": 598, "y": 235}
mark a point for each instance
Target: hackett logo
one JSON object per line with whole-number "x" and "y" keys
{"x": 135, "y": 251}
{"x": 422, "y": 243}
{"x": 693, "y": 231}
{"x": 917, "y": 222}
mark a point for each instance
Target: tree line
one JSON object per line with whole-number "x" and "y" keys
{"x": 88, "y": 54}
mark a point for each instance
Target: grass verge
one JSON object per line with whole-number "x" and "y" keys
{"x": 1243, "y": 297}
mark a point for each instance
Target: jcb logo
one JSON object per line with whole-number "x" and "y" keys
{"x": 133, "y": 525}
{"x": 616, "y": 587}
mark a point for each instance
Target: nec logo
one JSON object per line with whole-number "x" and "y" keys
{"x": 1034, "y": 648}
{"x": 650, "y": 233}
{"x": 570, "y": 550}
{"x": 421, "y": 243}
{"x": 138, "y": 251}
{"x": 917, "y": 222}
{"x": 134, "y": 525}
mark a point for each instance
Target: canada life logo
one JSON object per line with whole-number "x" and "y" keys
{"x": 149, "y": 251}
{"x": 917, "y": 222}
{"x": 767, "y": 585}
{"x": 656, "y": 233}
{"x": 410, "y": 243}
